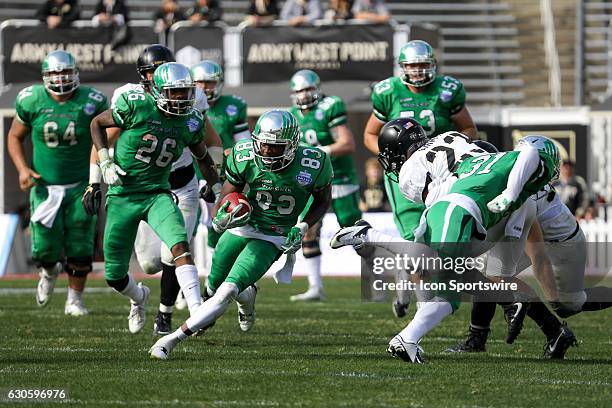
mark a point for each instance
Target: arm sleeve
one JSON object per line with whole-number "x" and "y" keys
{"x": 522, "y": 171}
{"x": 325, "y": 176}
{"x": 231, "y": 170}
{"x": 336, "y": 114}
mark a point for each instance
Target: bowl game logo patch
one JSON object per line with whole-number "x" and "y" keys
{"x": 89, "y": 109}
{"x": 193, "y": 125}
{"x": 304, "y": 178}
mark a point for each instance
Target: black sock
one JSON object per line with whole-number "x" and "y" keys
{"x": 482, "y": 314}
{"x": 598, "y": 298}
{"x": 119, "y": 284}
{"x": 169, "y": 285}
{"x": 540, "y": 314}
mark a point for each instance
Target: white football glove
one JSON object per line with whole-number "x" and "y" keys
{"x": 500, "y": 203}
{"x": 110, "y": 171}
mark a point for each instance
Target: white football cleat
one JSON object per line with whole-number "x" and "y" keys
{"x": 354, "y": 236}
{"x": 409, "y": 352}
{"x": 163, "y": 347}
{"x": 247, "y": 320}
{"x": 180, "y": 303}
{"x": 136, "y": 319}
{"x": 44, "y": 290}
{"x": 75, "y": 308}
{"x": 311, "y": 295}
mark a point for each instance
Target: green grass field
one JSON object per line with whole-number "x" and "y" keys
{"x": 303, "y": 355}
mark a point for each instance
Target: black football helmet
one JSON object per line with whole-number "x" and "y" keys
{"x": 486, "y": 146}
{"x": 150, "y": 58}
{"x": 397, "y": 140}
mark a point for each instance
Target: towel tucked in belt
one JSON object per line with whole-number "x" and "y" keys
{"x": 46, "y": 212}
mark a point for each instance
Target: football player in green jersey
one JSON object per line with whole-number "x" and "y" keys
{"x": 488, "y": 189}
{"x": 282, "y": 176}
{"x": 57, "y": 114}
{"x": 436, "y": 102}
{"x": 228, "y": 116}
{"x": 156, "y": 127}
{"x": 322, "y": 122}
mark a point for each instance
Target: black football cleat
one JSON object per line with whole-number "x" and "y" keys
{"x": 556, "y": 347}
{"x": 163, "y": 324}
{"x": 399, "y": 309}
{"x": 515, "y": 315}
{"x": 474, "y": 343}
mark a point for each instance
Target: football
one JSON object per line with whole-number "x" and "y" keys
{"x": 235, "y": 199}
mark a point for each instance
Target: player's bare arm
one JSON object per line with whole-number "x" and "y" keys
{"x": 344, "y": 144}
{"x": 370, "y": 134}
{"x": 320, "y": 204}
{"x": 17, "y": 134}
{"x": 464, "y": 123}
{"x": 98, "y": 127}
{"x": 206, "y": 163}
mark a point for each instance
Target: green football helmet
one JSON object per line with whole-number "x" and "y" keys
{"x": 173, "y": 89}
{"x": 305, "y": 89}
{"x": 209, "y": 71}
{"x": 60, "y": 73}
{"x": 543, "y": 144}
{"x": 276, "y": 137}
{"x": 418, "y": 63}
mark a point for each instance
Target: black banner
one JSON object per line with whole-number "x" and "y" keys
{"x": 25, "y": 47}
{"x": 344, "y": 52}
{"x": 193, "y": 43}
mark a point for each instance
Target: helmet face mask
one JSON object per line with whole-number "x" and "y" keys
{"x": 543, "y": 144}
{"x": 210, "y": 75}
{"x": 276, "y": 138}
{"x": 418, "y": 63}
{"x": 149, "y": 59}
{"x": 397, "y": 140}
{"x": 305, "y": 89}
{"x": 173, "y": 89}
{"x": 60, "y": 73}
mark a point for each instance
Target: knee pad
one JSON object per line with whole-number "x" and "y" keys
{"x": 46, "y": 265}
{"x": 119, "y": 284}
{"x": 78, "y": 266}
{"x": 574, "y": 300}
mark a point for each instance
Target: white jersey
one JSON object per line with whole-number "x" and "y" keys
{"x": 432, "y": 165}
{"x": 556, "y": 220}
{"x": 201, "y": 104}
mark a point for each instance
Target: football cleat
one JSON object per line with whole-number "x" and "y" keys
{"x": 75, "y": 308}
{"x": 311, "y": 295}
{"x": 556, "y": 347}
{"x": 354, "y": 235}
{"x": 136, "y": 319}
{"x": 247, "y": 320}
{"x": 163, "y": 324}
{"x": 163, "y": 347}
{"x": 44, "y": 290}
{"x": 474, "y": 343}
{"x": 399, "y": 309}
{"x": 409, "y": 352}
{"x": 180, "y": 303}
{"x": 515, "y": 315}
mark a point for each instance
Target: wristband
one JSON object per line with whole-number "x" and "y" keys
{"x": 95, "y": 174}
{"x": 103, "y": 155}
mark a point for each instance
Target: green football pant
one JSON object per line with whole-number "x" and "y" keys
{"x": 406, "y": 214}
{"x": 213, "y": 237}
{"x": 124, "y": 213}
{"x": 347, "y": 209}
{"x": 450, "y": 230}
{"x": 241, "y": 261}
{"x": 73, "y": 231}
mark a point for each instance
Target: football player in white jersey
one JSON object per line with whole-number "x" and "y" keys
{"x": 151, "y": 253}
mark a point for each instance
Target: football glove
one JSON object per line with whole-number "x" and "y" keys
{"x": 91, "y": 199}
{"x": 500, "y": 203}
{"x": 226, "y": 220}
{"x": 110, "y": 171}
{"x": 210, "y": 194}
{"x": 294, "y": 238}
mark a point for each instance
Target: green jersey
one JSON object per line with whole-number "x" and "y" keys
{"x": 432, "y": 108}
{"x": 484, "y": 177}
{"x": 315, "y": 130}
{"x": 228, "y": 116}
{"x": 278, "y": 197}
{"x": 60, "y": 131}
{"x": 150, "y": 142}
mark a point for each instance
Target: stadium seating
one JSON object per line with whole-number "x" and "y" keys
{"x": 597, "y": 17}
